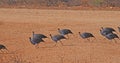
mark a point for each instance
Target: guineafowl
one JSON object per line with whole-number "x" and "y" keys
{"x": 37, "y": 36}
{"x": 57, "y": 38}
{"x": 65, "y": 31}
{"x": 35, "y": 41}
{"x": 108, "y": 29}
{"x": 3, "y": 47}
{"x": 111, "y": 36}
{"x": 86, "y": 35}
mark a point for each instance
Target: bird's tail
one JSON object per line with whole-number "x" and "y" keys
{"x": 116, "y": 32}
{"x": 118, "y": 38}
{"x": 72, "y": 33}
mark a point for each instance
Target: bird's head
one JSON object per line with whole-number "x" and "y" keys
{"x": 79, "y": 32}
{"x": 58, "y": 28}
{"x": 101, "y": 27}
{"x": 29, "y": 37}
{"x": 50, "y": 35}
{"x": 33, "y": 32}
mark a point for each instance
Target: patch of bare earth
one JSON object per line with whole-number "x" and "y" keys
{"x": 18, "y": 24}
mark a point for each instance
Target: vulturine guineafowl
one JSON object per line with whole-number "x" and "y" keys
{"x": 57, "y": 38}
{"x": 3, "y": 47}
{"x": 35, "y": 41}
{"x": 86, "y": 35}
{"x": 108, "y": 29}
{"x": 65, "y": 32}
{"x": 112, "y": 36}
{"x": 38, "y": 35}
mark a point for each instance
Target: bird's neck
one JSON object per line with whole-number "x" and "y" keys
{"x": 58, "y": 29}
{"x": 33, "y": 33}
{"x": 102, "y": 28}
{"x": 50, "y": 36}
{"x": 30, "y": 40}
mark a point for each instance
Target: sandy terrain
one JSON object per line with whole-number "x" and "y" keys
{"x": 16, "y": 26}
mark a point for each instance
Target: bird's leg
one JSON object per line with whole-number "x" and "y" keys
{"x": 117, "y": 32}
{"x": 67, "y": 36}
{"x": 36, "y": 46}
{"x": 110, "y": 41}
{"x": 61, "y": 43}
{"x": 115, "y": 40}
{"x": 104, "y": 38}
{"x": 55, "y": 45}
{"x": 1, "y": 51}
{"x": 88, "y": 39}
{"x": 119, "y": 38}
{"x": 73, "y": 34}
{"x": 7, "y": 50}
{"x": 94, "y": 38}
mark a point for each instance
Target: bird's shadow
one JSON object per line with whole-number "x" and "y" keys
{"x": 55, "y": 45}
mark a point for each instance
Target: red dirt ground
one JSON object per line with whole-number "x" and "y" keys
{"x": 16, "y": 26}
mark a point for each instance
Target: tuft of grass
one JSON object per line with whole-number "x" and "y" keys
{"x": 97, "y": 3}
